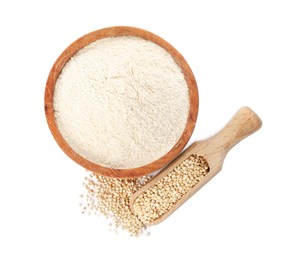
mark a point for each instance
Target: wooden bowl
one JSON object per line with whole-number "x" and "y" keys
{"x": 110, "y": 32}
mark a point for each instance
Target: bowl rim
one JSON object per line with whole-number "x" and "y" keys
{"x": 87, "y": 39}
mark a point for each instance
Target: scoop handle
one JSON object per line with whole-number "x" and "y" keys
{"x": 244, "y": 123}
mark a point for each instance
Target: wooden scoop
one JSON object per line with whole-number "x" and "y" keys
{"x": 244, "y": 123}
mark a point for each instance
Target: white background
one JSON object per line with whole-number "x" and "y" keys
{"x": 241, "y": 53}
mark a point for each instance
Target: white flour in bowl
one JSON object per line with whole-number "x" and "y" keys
{"x": 121, "y": 102}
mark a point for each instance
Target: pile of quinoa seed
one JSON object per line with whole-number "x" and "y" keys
{"x": 111, "y": 197}
{"x": 161, "y": 197}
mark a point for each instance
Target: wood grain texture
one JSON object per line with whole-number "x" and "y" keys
{"x": 214, "y": 150}
{"x": 112, "y": 32}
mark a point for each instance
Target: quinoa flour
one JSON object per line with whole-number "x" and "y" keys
{"x": 121, "y": 102}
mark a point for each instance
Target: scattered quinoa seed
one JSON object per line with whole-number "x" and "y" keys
{"x": 110, "y": 197}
